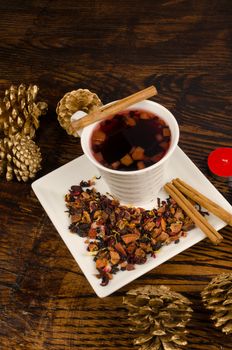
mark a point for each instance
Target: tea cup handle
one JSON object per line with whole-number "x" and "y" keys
{"x": 78, "y": 115}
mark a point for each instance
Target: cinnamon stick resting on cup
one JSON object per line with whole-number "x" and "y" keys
{"x": 106, "y": 111}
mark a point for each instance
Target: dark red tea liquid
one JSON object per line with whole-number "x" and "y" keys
{"x": 130, "y": 140}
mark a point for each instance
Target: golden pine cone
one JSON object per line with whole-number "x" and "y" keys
{"x": 20, "y": 157}
{"x": 19, "y": 111}
{"x": 217, "y": 297}
{"x": 76, "y": 100}
{"x": 158, "y": 316}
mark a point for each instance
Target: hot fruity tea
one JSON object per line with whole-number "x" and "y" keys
{"x": 130, "y": 140}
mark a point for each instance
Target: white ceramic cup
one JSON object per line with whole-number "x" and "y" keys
{"x": 138, "y": 187}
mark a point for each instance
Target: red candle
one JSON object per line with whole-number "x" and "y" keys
{"x": 220, "y": 163}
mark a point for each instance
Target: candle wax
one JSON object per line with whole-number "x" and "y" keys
{"x": 220, "y": 162}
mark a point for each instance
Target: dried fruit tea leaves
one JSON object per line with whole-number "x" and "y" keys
{"x": 117, "y": 236}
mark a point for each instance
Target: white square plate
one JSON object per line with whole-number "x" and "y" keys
{"x": 51, "y": 189}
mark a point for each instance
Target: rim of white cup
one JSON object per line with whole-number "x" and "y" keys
{"x": 87, "y": 131}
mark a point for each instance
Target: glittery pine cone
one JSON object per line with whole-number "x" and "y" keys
{"x": 20, "y": 157}
{"x": 19, "y": 110}
{"x": 76, "y": 100}
{"x": 217, "y": 297}
{"x": 159, "y": 317}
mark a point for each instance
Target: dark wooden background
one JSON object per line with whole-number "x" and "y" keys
{"x": 113, "y": 48}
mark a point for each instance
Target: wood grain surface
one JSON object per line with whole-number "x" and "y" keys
{"x": 113, "y": 48}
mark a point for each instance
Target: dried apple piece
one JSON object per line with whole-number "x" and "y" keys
{"x": 164, "y": 145}
{"x": 126, "y": 160}
{"x": 98, "y": 137}
{"x": 115, "y": 165}
{"x": 138, "y": 153}
{"x": 119, "y": 247}
{"x": 114, "y": 257}
{"x": 140, "y": 165}
{"x": 144, "y": 115}
{"x": 99, "y": 157}
{"x": 130, "y": 121}
{"x": 157, "y": 157}
{"x": 166, "y": 132}
{"x": 130, "y": 237}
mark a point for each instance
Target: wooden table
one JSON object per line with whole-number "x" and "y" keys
{"x": 113, "y": 48}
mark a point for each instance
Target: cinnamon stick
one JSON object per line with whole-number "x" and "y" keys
{"x": 203, "y": 200}
{"x": 106, "y": 111}
{"x": 196, "y": 217}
